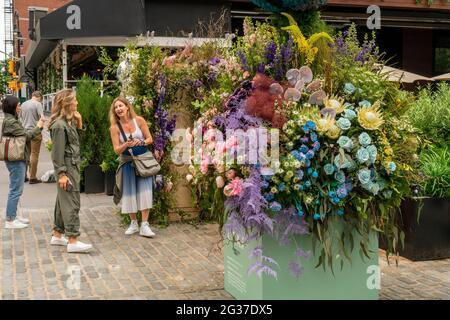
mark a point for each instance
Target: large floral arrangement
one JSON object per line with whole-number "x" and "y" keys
{"x": 344, "y": 154}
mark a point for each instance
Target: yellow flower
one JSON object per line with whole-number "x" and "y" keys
{"x": 324, "y": 123}
{"x": 335, "y": 103}
{"x": 370, "y": 118}
{"x": 306, "y": 46}
{"x": 334, "y": 132}
{"x": 388, "y": 151}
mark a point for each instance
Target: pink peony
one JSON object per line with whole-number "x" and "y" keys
{"x": 234, "y": 188}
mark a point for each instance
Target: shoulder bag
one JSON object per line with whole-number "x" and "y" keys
{"x": 145, "y": 164}
{"x": 12, "y": 148}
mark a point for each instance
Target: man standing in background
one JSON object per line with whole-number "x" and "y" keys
{"x": 32, "y": 110}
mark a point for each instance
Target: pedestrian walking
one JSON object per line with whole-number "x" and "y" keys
{"x": 136, "y": 193}
{"x": 31, "y": 112}
{"x": 12, "y": 127}
{"x": 65, "y": 129}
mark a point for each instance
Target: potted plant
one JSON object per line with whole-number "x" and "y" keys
{"x": 109, "y": 166}
{"x": 94, "y": 142}
{"x": 426, "y": 217}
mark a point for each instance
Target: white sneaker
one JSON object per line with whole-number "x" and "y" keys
{"x": 78, "y": 247}
{"x": 133, "y": 228}
{"x": 15, "y": 224}
{"x": 23, "y": 220}
{"x": 55, "y": 241}
{"x": 146, "y": 231}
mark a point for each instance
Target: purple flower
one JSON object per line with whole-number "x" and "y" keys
{"x": 271, "y": 51}
{"x": 198, "y": 84}
{"x": 214, "y": 61}
{"x": 295, "y": 268}
{"x": 243, "y": 60}
{"x": 341, "y": 192}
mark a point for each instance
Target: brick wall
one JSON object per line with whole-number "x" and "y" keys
{"x": 21, "y": 9}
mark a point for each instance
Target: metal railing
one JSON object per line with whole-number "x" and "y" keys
{"x": 47, "y": 99}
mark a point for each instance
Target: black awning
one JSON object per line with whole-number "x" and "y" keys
{"x": 96, "y": 19}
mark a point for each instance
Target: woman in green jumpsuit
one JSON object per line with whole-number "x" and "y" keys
{"x": 65, "y": 129}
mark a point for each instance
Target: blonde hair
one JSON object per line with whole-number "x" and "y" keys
{"x": 113, "y": 118}
{"x": 62, "y": 104}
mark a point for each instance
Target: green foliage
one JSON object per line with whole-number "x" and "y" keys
{"x": 430, "y": 113}
{"x": 435, "y": 164}
{"x": 5, "y": 77}
{"x": 95, "y": 143}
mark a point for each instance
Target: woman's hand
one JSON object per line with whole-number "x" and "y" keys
{"x": 78, "y": 118}
{"x": 64, "y": 182}
{"x": 132, "y": 143}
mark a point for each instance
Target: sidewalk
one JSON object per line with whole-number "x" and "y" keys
{"x": 181, "y": 262}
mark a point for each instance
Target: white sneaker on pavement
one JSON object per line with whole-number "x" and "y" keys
{"x": 78, "y": 247}
{"x": 15, "y": 224}
{"x": 23, "y": 220}
{"x": 146, "y": 231}
{"x": 55, "y": 241}
{"x": 133, "y": 228}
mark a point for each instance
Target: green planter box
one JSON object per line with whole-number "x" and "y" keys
{"x": 358, "y": 281}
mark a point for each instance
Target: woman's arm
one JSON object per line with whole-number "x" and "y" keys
{"x": 145, "y": 130}
{"x": 118, "y": 147}
{"x": 16, "y": 129}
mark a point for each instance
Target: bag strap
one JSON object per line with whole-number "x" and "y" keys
{"x": 125, "y": 139}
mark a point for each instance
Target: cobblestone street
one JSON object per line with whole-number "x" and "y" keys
{"x": 182, "y": 262}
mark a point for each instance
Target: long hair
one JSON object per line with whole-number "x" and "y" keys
{"x": 9, "y": 105}
{"x": 113, "y": 118}
{"x": 61, "y": 108}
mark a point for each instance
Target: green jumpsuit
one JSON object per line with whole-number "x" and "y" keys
{"x": 66, "y": 158}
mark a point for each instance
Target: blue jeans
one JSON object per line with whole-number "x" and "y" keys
{"x": 17, "y": 171}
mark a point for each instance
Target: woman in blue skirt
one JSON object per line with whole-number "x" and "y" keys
{"x": 136, "y": 192}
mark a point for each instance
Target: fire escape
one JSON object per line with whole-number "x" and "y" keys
{"x": 9, "y": 28}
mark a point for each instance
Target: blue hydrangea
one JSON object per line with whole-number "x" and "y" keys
{"x": 309, "y": 171}
{"x": 269, "y": 196}
{"x": 329, "y": 169}
{"x": 364, "y": 139}
{"x": 316, "y": 216}
{"x": 392, "y": 166}
{"x": 303, "y": 149}
{"x": 297, "y": 155}
{"x": 331, "y": 194}
{"x": 343, "y": 123}
{"x": 364, "y": 176}
{"x": 349, "y": 114}
{"x": 311, "y": 125}
{"x": 275, "y": 206}
{"x": 264, "y": 184}
{"x": 316, "y": 146}
{"x": 281, "y": 187}
{"x": 340, "y": 176}
{"x": 310, "y": 154}
{"x": 349, "y": 88}
{"x": 362, "y": 155}
{"x": 308, "y": 184}
{"x": 307, "y": 163}
{"x": 364, "y": 104}
{"x": 313, "y": 137}
{"x": 314, "y": 174}
{"x": 299, "y": 174}
{"x": 345, "y": 143}
{"x": 341, "y": 192}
